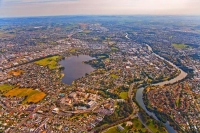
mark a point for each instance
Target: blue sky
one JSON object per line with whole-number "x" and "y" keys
{"x": 15, "y": 8}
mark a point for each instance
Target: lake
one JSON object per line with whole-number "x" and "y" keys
{"x": 75, "y": 68}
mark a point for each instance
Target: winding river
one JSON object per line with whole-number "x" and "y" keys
{"x": 139, "y": 93}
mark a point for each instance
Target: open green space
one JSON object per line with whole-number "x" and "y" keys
{"x": 6, "y": 35}
{"x": 51, "y": 62}
{"x": 155, "y": 127}
{"x": 180, "y": 46}
{"x": 5, "y": 87}
{"x": 177, "y": 102}
{"x": 115, "y": 130}
{"x": 114, "y": 48}
{"x": 112, "y": 130}
{"x": 114, "y": 76}
{"x": 124, "y": 95}
{"x": 137, "y": 126}
{"x": 101, "y": 57}
{"x": 73, "y": 50}
{"x": 31, "y": 96}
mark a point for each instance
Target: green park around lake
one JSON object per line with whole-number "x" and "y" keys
{"x": 51, "y": 62}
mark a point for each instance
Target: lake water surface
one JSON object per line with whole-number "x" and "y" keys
{"x": 75, "y": 68}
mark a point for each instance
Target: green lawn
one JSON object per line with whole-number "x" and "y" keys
{"x": 177, "y": 102}
{"x": 73, "y": 50}
{"x": 124, "y": 95}
{"x": 180, "y": 46}
{"x": 101, "y": 57}
{"x": 114, "y": 76}
{"x": 154, "y": 128}
{"x": 6, "y": 35}
{"x": 51, "y": 62}
{"x": 5, "y": 87}
{"x": 115, "y": 130}
{"x": 31, "y": 96}
{"x": 137, "y": 125}
{"x": 112, "y": 130}
{"x": 114, "y": 48}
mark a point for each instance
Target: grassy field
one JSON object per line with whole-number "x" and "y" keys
{"x": 154, "y": 128}
{"x": 5, "y": 87}
{"x": 124, "y": 95}
{"x": 137, "y": 125}
{"x": 32, "y": 96}
{"x": 73, "y": 50}
{"x": 180, "y": 46}
{"x": 112, "y": 130}
{"x": 114, "y": 48}
{"x": 115, "y": 130}
{"x": 177, "y": 102}
{"x": 6, "y": 35}
{"x": 101, "y": 57}
{"x": 16, "y": 72}
{"x": 51, "y": 62}
{"x": 113, "y": 76}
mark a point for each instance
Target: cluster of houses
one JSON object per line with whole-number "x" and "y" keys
{"x": 177, "y": 102}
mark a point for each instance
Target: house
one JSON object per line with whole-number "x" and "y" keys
{"x": 91, "y": 104}
{"x": 120, "y": 128}
{"x": 72, "y": 95}
{"x": 55, "y": 110}
{"x": 81, "y": 108}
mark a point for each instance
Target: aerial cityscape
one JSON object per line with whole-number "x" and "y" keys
{"x": 83, "y": 66}
{"x": 100, "y": 74}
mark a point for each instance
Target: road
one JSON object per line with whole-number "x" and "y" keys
{"x": 131, "y": 116}
{"x": 25, "y": 119}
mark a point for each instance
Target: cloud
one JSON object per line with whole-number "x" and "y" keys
{"x": 93, "y": 7}
{"x": 15, "y": 2}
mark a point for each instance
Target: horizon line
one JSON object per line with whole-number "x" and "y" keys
{"x": 77, "y": 15}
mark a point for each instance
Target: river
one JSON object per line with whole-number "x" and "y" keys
{"x": 139, "y": 93}
{"x": 75, "y": 68}
{"x": 127, "y": 36}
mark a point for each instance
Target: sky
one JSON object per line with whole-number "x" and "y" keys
{"x": 20, "y": 8}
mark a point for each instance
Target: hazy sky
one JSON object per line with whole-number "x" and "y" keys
{"x": 15, "y": 8}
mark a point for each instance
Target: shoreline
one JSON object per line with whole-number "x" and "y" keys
{"x": 140, "y": 92}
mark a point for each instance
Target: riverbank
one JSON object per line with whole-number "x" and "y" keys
{"x": 139, "y": 93}
{"x": 162, "y": 117}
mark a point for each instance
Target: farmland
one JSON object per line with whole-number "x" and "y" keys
{"x": 31, "y": 96}
{"x": 5, "y": 87}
